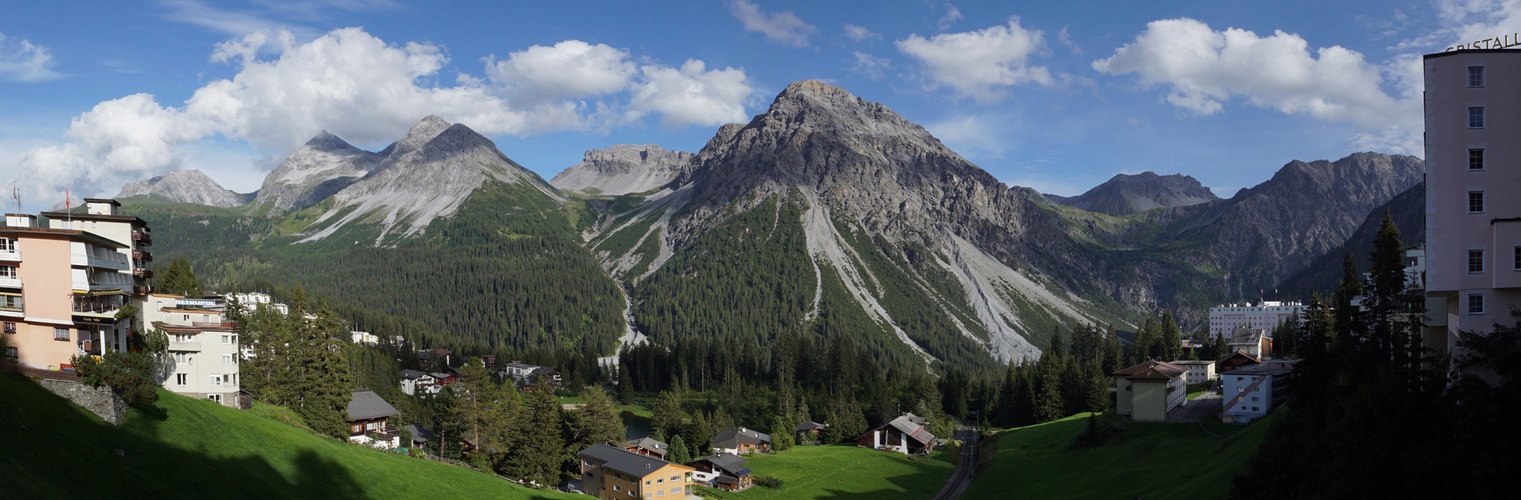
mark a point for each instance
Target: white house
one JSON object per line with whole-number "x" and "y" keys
{"x": 1267, "y": 314}
{"x": 415, "y": 383}
{"x": 1253, "y": 391}
{"x": 1198, "y": 371}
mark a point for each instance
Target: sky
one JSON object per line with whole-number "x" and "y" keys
{"x": 1058, "y": 96}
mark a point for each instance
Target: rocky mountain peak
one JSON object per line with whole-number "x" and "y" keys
{"x": 325, "y": 141}
{"x": 420, "y": 133}
{"x": 622, "y": 169}
{"x": 1126, "y": 194}
{"x": 184, "y": 186}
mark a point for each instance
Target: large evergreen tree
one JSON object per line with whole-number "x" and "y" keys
{"x": 540, "y": 448}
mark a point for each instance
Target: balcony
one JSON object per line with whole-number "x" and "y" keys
{"x": 10, "y": 282}
{"x": 142, "y": 290}
{"x": 10, "y": 256}
{"x": 12, "y": 305}
{"x": 142, "y": 255}
{"x": 142, "y": 273}
{"x": 185, "y": 346}
{"x": 142, "y": 239}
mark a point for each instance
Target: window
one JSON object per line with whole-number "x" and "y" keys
{"x": 10, "y": 326}
{"x": 181, "y": 358}
{"x": 1475, "y": 261}
{"x": 216, "y": 380}
{"x": 1517, "y": 258}
{"x": 616, "y": 488}
{"x": 1476, "y": 202}
{"x": 1475, "y": 303}
{"x": 1475, "y": 76}
{"x": 181, "y": 379}
{"x": 227, "y": 379}
{"x": 1476, "y": 159}
{"x": 187, "y": 317}
{"x": 214, "y": 397}
{"x": 181, "y": 337}
{"x": 1254, "y": 398}
{"x": 1476, "y": 117}
{"x": 8, "y": 272}
{"x": 11, "y": 352}
{"x": 7, "y": 245}
{"x": 226, "y": 359}
{"x": 61, "y": 334}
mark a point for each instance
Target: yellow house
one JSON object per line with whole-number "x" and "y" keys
{"x": 612, "y": 473}
{"x": 1150, "y": 390}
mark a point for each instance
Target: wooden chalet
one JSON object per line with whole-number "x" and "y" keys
{"x": 902, "y": 435}
{"x": 725, "y": 471}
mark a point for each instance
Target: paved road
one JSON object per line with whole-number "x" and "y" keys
{"x": 964, "y": 468}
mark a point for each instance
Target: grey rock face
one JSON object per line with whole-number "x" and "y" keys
{"x": 1127, "y": 194}
{"x": 323, "y": 166}
{"x": 185, "y": 186}
{"x": 623, "y": 169}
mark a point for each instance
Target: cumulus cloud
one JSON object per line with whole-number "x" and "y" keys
{"x": 980, "y": 64}
{"x": 22, "y": 61}
{"x": 952, "y": 15}
{"x": 365, "y": 90}
{"x": 569, "y": 69}
{"x": 872, "y": 67}
{"x": 1066, "y": 39}
{"x": 860, "y": 33}
{"x": 781, "y": 27}
{"x": 691, "y": 95}
{"x": 1204, "y": 68}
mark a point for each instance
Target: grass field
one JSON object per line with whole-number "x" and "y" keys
{"x": 1150, "y": 460}
{"x": 189, "y": 448}
{"x": 1195, "y": 390}
{"x": 844, "y": 471}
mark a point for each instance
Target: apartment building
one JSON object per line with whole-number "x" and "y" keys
{"x": 1265, "y": 314}
{"x": 202, "y": 361}
{"x": 1473, "y": 172}
{"x": 611, "y": 473}
{"x": 61, "y": 290}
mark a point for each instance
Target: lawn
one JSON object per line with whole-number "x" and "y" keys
{"x": 1150, "y": 460}
{"x": 182, "y": 447}
{"x": 844, "y": 471}
{"x": 1194, "y": 390}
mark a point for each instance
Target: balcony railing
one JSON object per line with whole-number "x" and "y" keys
{"x": 142, "y": 238}
{"x": 10, "y": 282}
{"x": 142, "y": 255}
{"x": 142, "y": 290}
{"x": 185, "y": 346}
{"x": 230, "y": 325}
{"x": 10, "y": 255}
{"x": 11, "y": 303}
{"x": 142, "y": 273}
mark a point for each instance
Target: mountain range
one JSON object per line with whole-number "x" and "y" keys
{"x": 829, "y": 214}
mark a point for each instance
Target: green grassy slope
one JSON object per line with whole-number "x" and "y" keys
{"x": 1148, "y": 460}
{"x": 845, "y": 471}
{"x": 188, "y": 448}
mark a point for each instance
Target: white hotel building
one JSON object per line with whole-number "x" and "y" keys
{"x": 1266, "y": 315}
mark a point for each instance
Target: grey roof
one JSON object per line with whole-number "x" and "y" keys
{"x": 906, "y": 425}
{"x": 366, "y": 404}
{"x": 1247, "y": 336}
{"x": 1259, "y": 370}
{"x": 1192, "y": 362}
{"x": 917, "y": 420}
{"x": 411, "y": 374}
{"x": 808, "y": 426}
{"x": 624, "y": 461}
{"x": 440, "y": 375}
{"x": 648, "y": 444}
{"x": 732, "y": 438}
{"x": 420, "y": 434}
{"x": 727, "y": 462}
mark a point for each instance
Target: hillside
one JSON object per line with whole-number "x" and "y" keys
{"x": 186, "y": 447}
{"x": 1148, "y": 460}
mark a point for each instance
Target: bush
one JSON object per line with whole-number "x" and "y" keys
{"x": 131, "y": 375}
{"x": 768, "y": 481}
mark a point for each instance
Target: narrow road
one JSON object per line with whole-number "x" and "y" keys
{"x": 963, "y": 476}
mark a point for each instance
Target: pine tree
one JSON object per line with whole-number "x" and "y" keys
{"x": 1049, "y": 402}
{"x": 1098, "y": 388}
{"x": 699, "y": 435}
{"x": 1349, "y": 318}
{"x": 318, "y": 376}
{"x": 597, "y": 422}
{"x": 782, "y": 434}
{"x": 474, "y": 394}
{"x": 1114, "y": 351}
{"x": 1171, "y": 339}
{"x": 678, "y": 451}
{"x": 541, "y": 449}
{"x": 667, "y": 414}
{"x": 1008, "y": 397}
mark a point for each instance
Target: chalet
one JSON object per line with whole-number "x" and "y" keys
{"x": 724, "y": 471}
{"x": 613, "y": 473}
{"x": 445, "y": 378}
{"x": 741, "y": 440}
{"x": 1150, "y": 390}
{"x": 648, "y": 447}
{"x": 1254, "y": 341}
{"x": 517, "y": 370}
{"x": 809, "y": 431}
{"x": 1235, "y": 361}
{"x": 368, "y": 420}
{"x": 902, "y": 435}
{"x": 427, "y": 355}
{"x": 1198, "y": 371}
{"x": 416, "y": 383}
{"x": 421, "y": 437}
{"x": 1253, "y": 391}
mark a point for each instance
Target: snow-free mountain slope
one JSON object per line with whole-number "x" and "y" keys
{"x": 622, "y": 169}
{"x": 185, "y": 186}
{"x": 1126, "y": 194}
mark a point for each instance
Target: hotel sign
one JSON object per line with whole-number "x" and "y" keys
{"x": 1499, "y": 42}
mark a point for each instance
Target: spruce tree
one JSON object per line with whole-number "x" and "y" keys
{"x": 678, "y": 452}
{"x": 541, "y": 446}
{"x": 597, "y": 422}
{"x": 1172, "y": 340}
{"x": 667, "y": 414}
{"x": 474, "y": 394}
{"x": 782, "y": 434}
{"x": 1048, "y": 402}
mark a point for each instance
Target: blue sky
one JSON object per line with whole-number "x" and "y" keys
{"x": 1059, "y": 96}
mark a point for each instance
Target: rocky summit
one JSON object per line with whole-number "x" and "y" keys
{"x": 184, "y": 186}
{"x": 324, "y": 165}
{"x": 1126, "y": 194}
{"x": 623, "y": 169}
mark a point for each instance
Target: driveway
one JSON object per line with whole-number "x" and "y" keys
{"x": 1208, "y": 403}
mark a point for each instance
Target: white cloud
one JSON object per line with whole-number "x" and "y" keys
{"x": 980, "y": 64}
{"x": 860, "y": 33}
{"x": 692, "y": 95}
{"x": 367, "y": 91}
{"x": 782, "y": 27}
{"x": 872, "y": 67}
{"x": 230, "y": 22}
{"x": 22, "y": 61}
{"x": 970, "y": 135}
{"x": 569, "y": 69}
{"x": 1066, "y": 39}
{"x": 1205, "y": 68}
{"x": 952, "y": 15}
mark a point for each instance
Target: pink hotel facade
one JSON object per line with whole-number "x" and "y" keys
{"x": 1473, "y": 191}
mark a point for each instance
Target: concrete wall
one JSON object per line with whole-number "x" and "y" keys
{"x": 1150, "y": 401}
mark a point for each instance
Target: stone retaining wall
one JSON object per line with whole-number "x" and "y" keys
{"x": 99, "y": 400}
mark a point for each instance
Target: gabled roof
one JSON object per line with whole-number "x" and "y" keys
{"x": 420, "y": 434}
{"x": 625, "y": 461}
{"x": 1152, "y": 370}
{"x": 729, "y": 463}
{"x": 732, "y": 438}
{"x": 648, "y": 444}
{"x": 412, "y": 374}
{"x": 808, "y": 426}
{"x": 908, "y": 427}
{"x": 366, "y": 405}
{"x": 1241, "y": 354}
{"x": 1247, "y": 336}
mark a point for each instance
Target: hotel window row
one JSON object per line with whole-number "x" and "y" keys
{"x": 1476, "y": 260}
